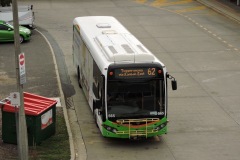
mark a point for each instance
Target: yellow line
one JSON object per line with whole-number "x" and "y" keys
{"x": 141, "y": 1}
{"x": 191, "y": 9}
{"x": 158, "y": 3}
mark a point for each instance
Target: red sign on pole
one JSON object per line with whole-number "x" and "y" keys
{"x": 21, "y": 59}
{"x": 22, "y": 71}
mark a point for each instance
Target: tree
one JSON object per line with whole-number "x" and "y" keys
{"x": 5, "y": 3}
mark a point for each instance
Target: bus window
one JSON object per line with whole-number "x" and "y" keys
{"x": 132, "y": 100}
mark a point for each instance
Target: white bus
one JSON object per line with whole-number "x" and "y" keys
{"x": 124, "y": 83}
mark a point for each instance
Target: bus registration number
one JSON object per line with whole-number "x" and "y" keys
{"x": 111, "y": 115}
{"x": 156, "y": 113}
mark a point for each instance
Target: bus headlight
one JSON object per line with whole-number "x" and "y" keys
{"x": 158, "y": 128}
{"x": 109, "y": 128}
{"x": 114, "y": 130}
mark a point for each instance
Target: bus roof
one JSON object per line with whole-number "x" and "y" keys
{"x": 106, "y": 35}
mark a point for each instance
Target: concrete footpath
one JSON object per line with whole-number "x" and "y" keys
{"x": 225, "y": 8}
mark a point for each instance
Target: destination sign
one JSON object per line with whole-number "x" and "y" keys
{"x": 135, "y": 72}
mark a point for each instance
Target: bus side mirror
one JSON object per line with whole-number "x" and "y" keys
{"x": 97, "y": 104}
{"x": 174, "y": 84}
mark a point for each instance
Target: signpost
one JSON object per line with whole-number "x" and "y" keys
{"x": 21, "y": 79}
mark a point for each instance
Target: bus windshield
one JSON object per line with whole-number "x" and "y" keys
{"x": 141, "y": 99}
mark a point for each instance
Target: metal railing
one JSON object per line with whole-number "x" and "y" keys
{"x": 137, "y": 132}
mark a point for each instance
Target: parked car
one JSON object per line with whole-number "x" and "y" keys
{"x": 7, "y": 32}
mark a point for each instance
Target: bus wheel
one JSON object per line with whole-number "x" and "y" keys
{"x": 79, "y": 79}
{"x": 95, "y": 118}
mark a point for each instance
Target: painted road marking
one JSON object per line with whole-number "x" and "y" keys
{"x": 162, "y": 3}
{"x": 159, "y": 3}
{"x": 141, "y": 1}
{"x": 191, "y": 9}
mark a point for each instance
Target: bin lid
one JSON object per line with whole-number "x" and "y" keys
{"x": 34, "y": 104}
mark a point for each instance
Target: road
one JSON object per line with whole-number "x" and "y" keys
{"x": 40, "y": 81}
{"x": 199, "y": 47}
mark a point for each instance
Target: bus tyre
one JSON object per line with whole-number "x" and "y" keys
{"x": 95, "y": 119}
{"x": 79, "y": 79}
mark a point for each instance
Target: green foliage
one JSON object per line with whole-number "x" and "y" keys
{"x": 5, "y": 3}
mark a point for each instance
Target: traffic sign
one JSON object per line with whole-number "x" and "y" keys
{"x": 15, "y": 98}
{"x": 22, "y": 71}
{"x": 21, "y": 59}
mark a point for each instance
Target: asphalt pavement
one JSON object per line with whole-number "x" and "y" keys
{"x": 40, "y": 66}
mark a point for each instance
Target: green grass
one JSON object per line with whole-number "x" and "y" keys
{"x": 56, "y": 147}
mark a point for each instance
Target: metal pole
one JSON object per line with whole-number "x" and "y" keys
{"x": 22, "y": 135}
